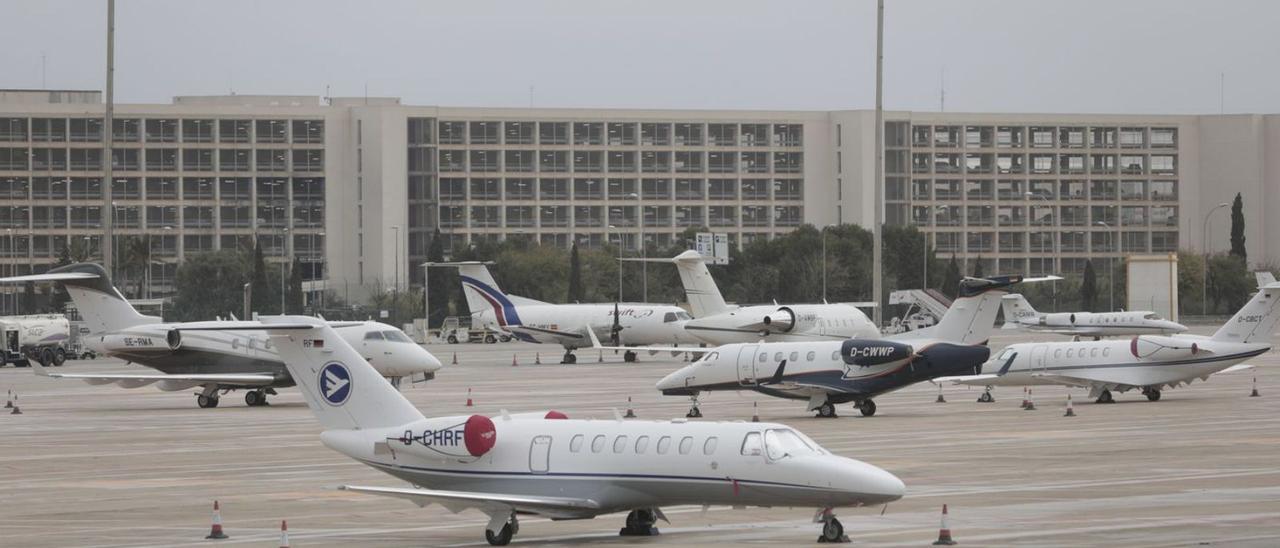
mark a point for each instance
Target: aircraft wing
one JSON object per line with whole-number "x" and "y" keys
{"x": 134, "y": 380}
{"x": 540, "y": 334}
{"x": 494, "y": 504}
{"x": 674, "y": 350}
{"x": 1237, "y": 368}
{"x": 971, "y": 380}
{"x": 49, "y": 277}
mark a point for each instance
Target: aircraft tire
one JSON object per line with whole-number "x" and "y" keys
{"x": 827, "y": 411}
{"x": 503, "y": 537}
{"x": 1105, "y": 397}
{"x": 1153, "y": 395}
{"x": 206, "y": 402}
{"x": 254, "y": 398}
{"x": 59, "y": 357}
{"x": 868, "y": 408}
{"x": 629, "y": 356}
{"x": 832, "y": 531}
{"x": 569, "y": 359}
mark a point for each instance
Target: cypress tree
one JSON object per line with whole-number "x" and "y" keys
{"x": 575, "y": 275}
{"x": 1237, "y": 229}
{"x": 1089, "y": 287}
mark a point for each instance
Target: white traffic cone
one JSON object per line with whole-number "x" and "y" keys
{"x": 215, "y": 531}
{"x": 284, "y": 534}
{"x": 1071, "y": 412}
{"x": 1031, "y": 401}
{"x": 631, "y": 414}
{"x": 944, "y": 533}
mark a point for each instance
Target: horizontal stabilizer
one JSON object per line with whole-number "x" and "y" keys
{"x": 54, "y": 277}
{"x": 140, "y": 379}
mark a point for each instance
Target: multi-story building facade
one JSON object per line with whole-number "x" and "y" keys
{"x": 355, "y": 186}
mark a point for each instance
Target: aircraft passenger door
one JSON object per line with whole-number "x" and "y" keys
{"x": 747, "y": 364}
{"x": 1038, "y": 358}
{"x": 540, "y": 454}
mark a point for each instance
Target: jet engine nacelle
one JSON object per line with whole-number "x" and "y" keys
{"x": 1162, "y": 348}
{"x": 174, "y": 339}
{"x": 134, "y": 343}
{"x": 449, "y": 437}
{"x": 781, "y": 320}
{"x": 866, "y": 353}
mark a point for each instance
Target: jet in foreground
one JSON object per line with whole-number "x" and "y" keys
{"x": 1148, "y": 363}
{"x": 625, "y": 324}
{"x": 216, "y": 362}
{"x": 545, "y": 464}
{"x": 1018, "y": 314}
{"x": 717, "y": 322}
{"x": 855, "y": 370}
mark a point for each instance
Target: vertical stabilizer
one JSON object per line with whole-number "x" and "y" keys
{"x": 100, "y": 304}
{"x": 699, "y": 287}
{"x": 971, "y": 318}
{"x": 1016, "y": 309}
{"x": 1256, "y": 320}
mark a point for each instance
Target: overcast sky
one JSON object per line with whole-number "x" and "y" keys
{"x": 997, "y": 55}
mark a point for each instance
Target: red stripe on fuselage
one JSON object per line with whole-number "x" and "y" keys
{"x": 497, "y": 308}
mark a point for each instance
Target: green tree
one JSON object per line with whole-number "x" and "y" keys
{"x": 293, "y": 298}
{"x": 1237, "y": 229}
{"x": 1230, "y": 283}
{"x": 134, "y": 260}
{"x": 443, "y": 281}
{"x": 575, "y": 275}
{"x": 1089, "y": 287}
{"x": 209, "y": 284}
{"x": 951, "y": 280}
{"x": 977, "y": 267}
{"x": 261, "y": 297}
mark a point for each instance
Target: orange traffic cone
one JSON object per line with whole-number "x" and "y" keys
{"x": 215, "y": 532}
{"x": 755, "y": 412}
{"x": 514, "y": 363}
{"x": 455, "y": 358}
{"x": 1255, "y": 393}
{"x": 631, "y": 414}
{"x": 601, "y": 356}
{"x": 940, "y": 398}
{"x": 284, "y": 534}
{"x": 1031, "y": 401}
{"x": 9, "y": 402}
{"x": 944, "y": 533}
{"x": 469, "y": 404}
{"x": 16, "y": 410}
{"x": 1071, "y": 412}
{"x": 1024, "y": 397}
{"x": 537, "y": 358}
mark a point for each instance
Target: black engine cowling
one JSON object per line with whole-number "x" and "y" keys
{"x": 174, "y": 338}
{"x": 866, "y": 353}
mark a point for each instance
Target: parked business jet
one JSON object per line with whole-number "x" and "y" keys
{"x": 1146, "y": 362}
{"x": 625, "y": 324}
{"x": 216, "y": 362}
{"x": 545, "y": 464}
{"x": 1018, "y": 314}
{"x": 829, "y": 373}
{"x": 716, "y": 322}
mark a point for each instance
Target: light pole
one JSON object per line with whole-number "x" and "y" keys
{"x": 644, "y": 265}
{"x": 1031, "y": 196}
{"x": 612, "y": 227}
{"x": 426, "y": 297}
{"x": 395, "y": 292}
{"x": 284, "y": 261}
{"x": 1111, "y": 268}
{"x": 1204, "y": 274}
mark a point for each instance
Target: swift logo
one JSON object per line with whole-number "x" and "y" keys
{"x": 335, "y": 383}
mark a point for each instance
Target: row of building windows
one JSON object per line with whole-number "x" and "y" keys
{"x": 162, "y": 130}
{"x": 985, "y": 215}
{"x": 618, "y": 216}
{"x": 459, "y": 189}
{"x": 983, "y": 163}
{"x": 161, "y": 159}
{"x": 164, "y": 188}
{"x": 614, "y": 161}
{"x": 308, "y": 247}
{"x": 607, "y": 133}
{"x": 299, "y": 215}
{"x": 1056, "y": 242}
{"x": 1035, "y": 190}
{"x": 972, "y": 136}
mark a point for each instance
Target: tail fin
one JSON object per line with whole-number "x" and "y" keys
{"x": 100, "y": 304}
{"x": 972, "y": 317}
{"x": 1265, "y": 278}
{"x": 1256, "y": 320}
{"x": 699, "y": 287}
{"x": 340, "y": 387}
{"x": 1016, "y": 307}
{"x": 483, "y": 293}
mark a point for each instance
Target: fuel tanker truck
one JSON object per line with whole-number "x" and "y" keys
{"x": 42, "y": 337}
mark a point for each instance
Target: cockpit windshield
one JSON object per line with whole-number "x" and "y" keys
{"x": 1152, "y": 316}
{"x": 397, "y": 336}
{"x": 1004, "y": 354}
{"x": 782, "y": 443}
{"x": 709, "y": 358}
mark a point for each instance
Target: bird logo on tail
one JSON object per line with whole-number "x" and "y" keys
{"x": 335, "y": 383}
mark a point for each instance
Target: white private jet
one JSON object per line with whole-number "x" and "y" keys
{"x": 625, "y": 324}
{"x": 545, "y": 464}
{"x": 1018, "y": 314}
{"x": 1146, "y": 362}
{"x": 717, "y": 322}
{"x": 828, "y": 373}
{"x": 216, "y": 362}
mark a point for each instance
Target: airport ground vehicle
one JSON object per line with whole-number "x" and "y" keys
{"x": 457, "y": 329}
{"x": 42, "y": 337}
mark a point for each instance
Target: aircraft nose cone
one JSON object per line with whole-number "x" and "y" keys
{"x": 431, "y": 362}
{"x": 872, "y": 484}
{"x": 1174, "y": 327}
{"x": 675, "y": 383}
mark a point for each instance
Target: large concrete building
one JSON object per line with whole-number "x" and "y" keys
{"x": 355, "y": 186}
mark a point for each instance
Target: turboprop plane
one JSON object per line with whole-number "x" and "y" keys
{"x": 1018, "y": 314}
{"x": 829, "y": 373}
{"x": 625, "y": 324}
{"x": 216, "y": 362}
{"x": 717, "y": 322}
{"x": 1148, "y": 363}
{"x": 548, "y": 465}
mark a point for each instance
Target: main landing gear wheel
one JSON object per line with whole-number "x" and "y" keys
{"x": 867, "y": 407}
{"x": 986, "y": 397}
{"x": 206, "y": 402}
{"x": 1105, "y": 397}
{"x": 832, "y": 531}
{"x": 1152, "y": 394}
{"x": 827, "y": 411}
{"x": 629, "y": 356}
{"x": 569, "y": 359}
{"x": 640, "y": 524}
{"x": 490, "y": 339}
{"x": 255, "y": 398}
{"x": 503, "y": 537}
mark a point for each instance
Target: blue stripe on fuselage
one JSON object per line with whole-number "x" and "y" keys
{"x": 508, "y": 310}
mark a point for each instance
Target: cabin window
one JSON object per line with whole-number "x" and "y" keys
{"x": 810, "y": 356}
{"x": 619, "y": 443}
{"x": 795, "y": 356}
{"x": 642, "y": 444}
{"x": 835, "y": 355}
{"x": 1093, "y": 352}
{"x": 373, "y": 336}
{"x": 1069, "y": 352}
{"x": 764, "y": 358}
{"x": 664, "y": 444}
{"x": 752, "y": 446}
{"x": 251, "y": 341}
{"x": 686, "y": 445}
{"x": 710, "y": 446}
{"x": 777, "y": 356}
{"x": 267, "y": 344}
{"x": 575, "y": 444}
{"x": 597, "y": 444}
{"x": 235, "y": 343}
{"x": 1105, "y": 351}
{"x": 1057, "y": 353}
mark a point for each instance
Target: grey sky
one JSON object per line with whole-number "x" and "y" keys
{"x": 999, "y": 55}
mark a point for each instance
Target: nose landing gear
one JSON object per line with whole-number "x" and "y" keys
{"x": 832, "y": 529}
{"x": 640, "y": 524}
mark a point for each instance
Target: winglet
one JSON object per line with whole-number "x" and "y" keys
{"x": 777, "y": 375}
